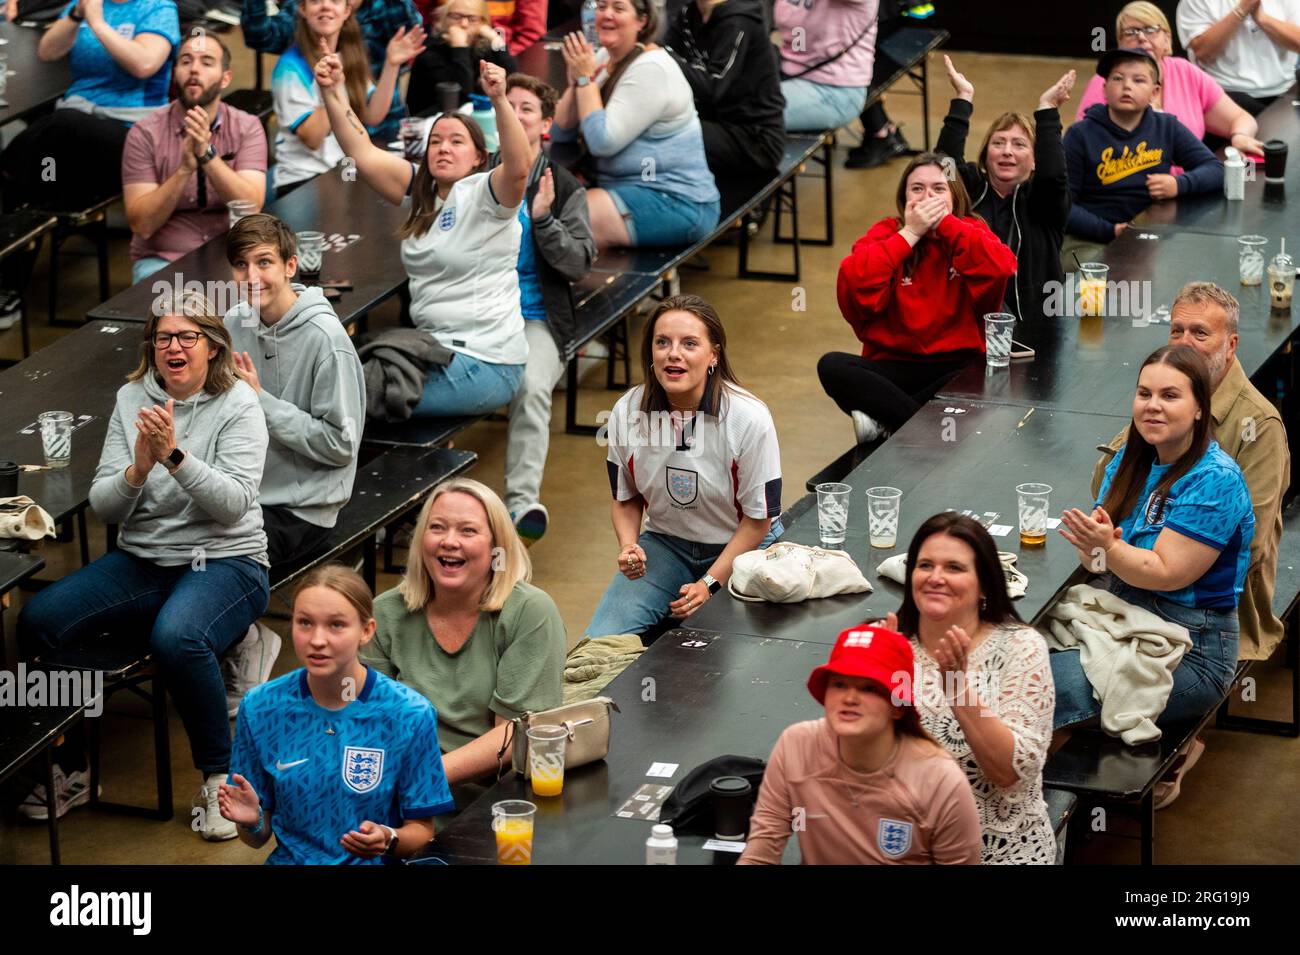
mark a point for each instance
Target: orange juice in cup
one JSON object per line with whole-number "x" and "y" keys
{"x": 512, "y": 821}
{"x": 547, "y": 745}
{"x": 1092, "y": 288}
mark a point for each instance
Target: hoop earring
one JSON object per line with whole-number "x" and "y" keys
{"x": 713, "y": 368}
{"x": 984, "y": 604}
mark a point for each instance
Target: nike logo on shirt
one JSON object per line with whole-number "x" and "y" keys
{"x": 297, "y": 762}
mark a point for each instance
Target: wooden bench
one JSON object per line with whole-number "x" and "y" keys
{"x": 91, "y": 222}
{"x": 22, "y": 232}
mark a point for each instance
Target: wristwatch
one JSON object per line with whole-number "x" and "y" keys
{"x": 74, "y": 16}
{"x": 582, "y": 80}
{"x": 708, "y": 581}
{"x": 391, "y": 845}
{"x": 209, "y": 155}
{"x": 175, "y": 458}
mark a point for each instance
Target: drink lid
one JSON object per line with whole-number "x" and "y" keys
{"x": 1282, "y": 262}
{"x": 730, "y": 786}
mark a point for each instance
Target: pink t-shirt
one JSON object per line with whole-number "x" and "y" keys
{"x": 1186, "y": 90}
{"x": 813, "y": 31}
{"x": 153, "y": 152}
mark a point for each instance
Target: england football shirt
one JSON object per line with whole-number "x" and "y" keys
{"x": 701, "y": 474}
{"x": 321, "y": 773}
{"x": 1209, "y": 504}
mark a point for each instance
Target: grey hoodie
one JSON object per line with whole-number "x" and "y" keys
{"x": 313, "y": 394}
{"x": 208, "y": 508}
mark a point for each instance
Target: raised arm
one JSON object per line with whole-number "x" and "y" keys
{"x": 1282, "y": 32}
{"x": 265, "y": 33}
{"x": 509, "y": 180}
{"x": 1049, "y": 200}
{"x": 387, "y": 174}
{"x": 57, "y": 41}
{"x": 402, "y": 48}
{"x": 1213, "y": 38}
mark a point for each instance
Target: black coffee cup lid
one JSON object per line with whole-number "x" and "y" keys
{"x": 8, "y": 466}
{"x": 1275, "y": 144}
{"x": 730, "y": 786}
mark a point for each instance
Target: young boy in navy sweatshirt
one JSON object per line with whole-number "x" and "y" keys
{"x": 1119, "y": 157}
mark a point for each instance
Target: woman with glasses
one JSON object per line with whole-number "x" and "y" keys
{"x": 462, "y": 37}
{"x": 1186, "y": 90}
{"x": 179, "y": 474}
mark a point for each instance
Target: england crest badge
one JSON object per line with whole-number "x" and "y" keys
{"x": 447, "y": 219}
{"x": 362, "y": 768}
{"x": 893, "y": 837}
{"x": 683, "y": 485}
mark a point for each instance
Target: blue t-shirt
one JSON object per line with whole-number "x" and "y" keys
{"x": 530, "y": 285}
{"x": 1209, "y": 504}
{"x": 321, "y": 773}
{"x": 100, "y": 78}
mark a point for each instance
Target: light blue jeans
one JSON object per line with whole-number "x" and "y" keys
{"x": 813, "y": 107}
{"x": 1200, "y": 679}
{"x": 634, "y": 606}
{"x": 467, "y": 386}
{"x": 143, "y": 268}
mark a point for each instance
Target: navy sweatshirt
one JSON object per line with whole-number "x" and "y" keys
{"x": 1108, "y": 167}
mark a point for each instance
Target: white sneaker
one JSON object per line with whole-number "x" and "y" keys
{"x": 212, "y": 826}
{"x": 70, "y": 790}
{"x": 248, "y": 663}
{"x": 531, "y": 522}
{"x": 9, "y": 319}
{"x": 866, "y": 429}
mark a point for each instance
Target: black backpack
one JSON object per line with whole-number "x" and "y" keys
{"x": 688, "y": 807}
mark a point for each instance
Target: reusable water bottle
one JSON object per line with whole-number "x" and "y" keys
{"x": 589, "y": 23}
{"x": 1234, "y": 174}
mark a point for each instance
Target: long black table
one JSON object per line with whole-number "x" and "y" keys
{"x": 953, "y": 454}
{"x": 670, "y": 701}
{"x": 327, "y": 204}
{"x": 33, "y": 85}
{"x": 81, "y": 373}
{"x": 1091, "y": 363}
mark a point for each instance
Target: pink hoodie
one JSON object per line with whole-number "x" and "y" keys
{"x": 815, "y": 30}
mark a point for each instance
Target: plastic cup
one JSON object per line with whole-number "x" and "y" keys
{"x": 512, "y": 821}
{"x": 1250, "y": 258}
{"x": 311, "y": 249}
{"x": 413, "y": 138}
{"x": 56, "y": 437}
{"x": 238, "y": 208}
{"x": 1032, "y": 505}
{"x": 884, "y": 504}
{"x": 1281, "y": 280}
{"x": 998, "y": 327}
{"x": 833, "y": 512}
{"x": 1092, "y": 288}
{"x": 546, "y": 749}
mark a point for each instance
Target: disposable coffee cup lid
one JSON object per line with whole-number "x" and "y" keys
{"x": 730, "y": 786}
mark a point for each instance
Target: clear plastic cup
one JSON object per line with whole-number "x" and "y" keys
{"x": 4, "y": 72}
{"x": 512, "y": 821}
{"x": 884, "y": 504}
{"x": 413, "y": 138}
{"x": 1250, "y": 258}
{"x": 833, "y": 512}
{"x": 546, "y": 748}
{"x": 1281, "y": 280}
{"x": 56, "y": 437}
{"x": 238, "y": 208}
{"x": 1032, "y": 505}
{"x": 311, "y": 249}
{"x": 998, "y": 328}
{"x": 1092, "y": 288}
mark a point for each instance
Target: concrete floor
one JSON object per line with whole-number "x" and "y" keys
{"x": 1233, "y": 808}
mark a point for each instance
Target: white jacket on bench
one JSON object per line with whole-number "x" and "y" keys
{"x": 1128, "y": 654}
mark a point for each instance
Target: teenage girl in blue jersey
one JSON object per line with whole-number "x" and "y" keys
{"x": 338, "y": 761}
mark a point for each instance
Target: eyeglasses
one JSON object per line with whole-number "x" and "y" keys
{"x": 464, "y": 18}
{"x": 187, "y": 339}
{"x": 1132, "y": 33}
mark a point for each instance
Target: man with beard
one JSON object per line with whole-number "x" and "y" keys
{"x": 183, "y": 163}
{"x": 1249, "y": 428}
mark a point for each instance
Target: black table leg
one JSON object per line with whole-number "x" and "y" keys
{"x": 51, "y": 806}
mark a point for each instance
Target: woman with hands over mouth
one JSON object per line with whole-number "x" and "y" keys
{"x": 459, "y": 244}
{"x": 1172, "y": 527}
{"x": 1017, "y": 184}
{"x": 983, "y": 684}
{"x": 462, "y": 38}
{"x": 914, "y": 289}
{"x": 179, "y": 473}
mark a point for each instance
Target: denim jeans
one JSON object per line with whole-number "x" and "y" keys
{"x": 813, "y": 107}
{"x": 634, "y": 606}
{"x": 656, "y": 217}
{"x": 1200, "y": 679}
{"x": 467, "y": 386}
{"x": 193, "y": 616}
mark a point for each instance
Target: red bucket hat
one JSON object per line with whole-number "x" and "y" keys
{"x": 874, "y": 653}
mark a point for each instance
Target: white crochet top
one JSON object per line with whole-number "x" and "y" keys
{"x": 1014, "y": 679}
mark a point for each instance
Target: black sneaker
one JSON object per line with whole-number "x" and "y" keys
{"x": 876, "y": 150}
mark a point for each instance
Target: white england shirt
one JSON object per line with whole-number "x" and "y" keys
{"x": 699, "y": 475}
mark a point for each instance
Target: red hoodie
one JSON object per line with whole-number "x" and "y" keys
{"x": 961, "y": 275}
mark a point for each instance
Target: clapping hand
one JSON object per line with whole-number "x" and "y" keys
{"x": 953, "y": 651}
{"x": 406, "y": 45}
{"x": 329, "y": 68}
{"x": 545, "y": 196}
{"x": 244, "y": 370}
{"x": 198, "y": 134}
{"x": 238, "y": 801}
{"x": 960, "y": 85}
{"x": 156, "y": 425}
{"x": 1058, "y": 92}
{"x": 1089, "y": 533}
{"x": 579, "y": 57}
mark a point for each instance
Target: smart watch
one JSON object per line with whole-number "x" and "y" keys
{"x": 583, "y": 80}
{"x": 209, "y": 155}
{"x": 75, "y": 16}
{"x": 712, "y": 584}
{"x": 176, "y": 457}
